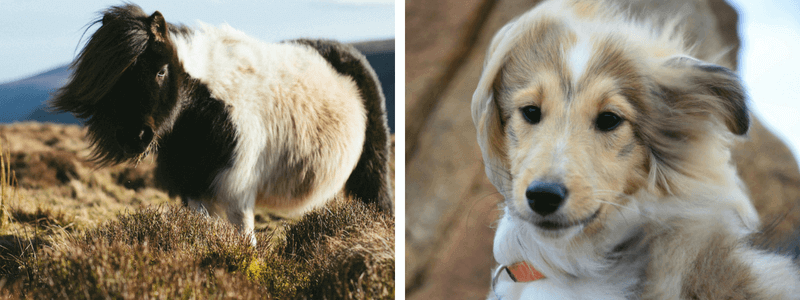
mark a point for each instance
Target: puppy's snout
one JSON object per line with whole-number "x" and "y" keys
{"x": 545, "y": 197}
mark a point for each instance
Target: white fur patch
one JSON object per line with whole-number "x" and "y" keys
{"x": 573, "y": 270}
{"x": 773, "y": 274}
{"x": 276, "y": 95}
{"x": 547, "y": 289}
{"x": 578, "y": 58}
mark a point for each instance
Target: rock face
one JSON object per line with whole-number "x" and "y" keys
{"x": 451, "y": 206}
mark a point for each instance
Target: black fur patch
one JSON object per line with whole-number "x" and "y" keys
{"x": 199, "y": 146}
{"x": 113, "y": 88}
{"x": 370, "y": 179}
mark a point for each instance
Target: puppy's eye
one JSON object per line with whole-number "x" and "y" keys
{"x": 532, "y": 114}
{"x": 607, "y": 121}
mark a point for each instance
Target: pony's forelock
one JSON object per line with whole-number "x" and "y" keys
{"x": 121, "y": 38}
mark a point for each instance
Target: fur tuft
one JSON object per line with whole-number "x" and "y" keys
{"x": 121, "y": 38}
{"x": 370, "y": 179}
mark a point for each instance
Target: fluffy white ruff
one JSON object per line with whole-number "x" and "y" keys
{"x": 577, "y": 266}
{"x": 574, "y": 268}
{"x": 547, "y": 289}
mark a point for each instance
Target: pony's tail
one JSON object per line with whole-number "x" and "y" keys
{"x": 370, "y": 179}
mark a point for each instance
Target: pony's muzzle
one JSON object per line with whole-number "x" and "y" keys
{"x": 545, "y": 197}
{"x": 134, "y": 141}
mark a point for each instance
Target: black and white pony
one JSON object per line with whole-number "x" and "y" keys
{"x": 236, "y": 122}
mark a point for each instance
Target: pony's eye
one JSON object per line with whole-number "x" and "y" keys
{"x": 162, "y": 72}
{"x": 532, "y": 114}
{"x": 607, "y": 121}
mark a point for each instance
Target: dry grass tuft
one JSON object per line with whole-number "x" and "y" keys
{"x": 172, "y": 252}
{"x": 43, "y": 217}
{"x": 7, "y": 184}
{"x": 80, "y": 232}
{"x": 43, "y": 169}
{"x": 350, "y": 247}
{"x": 155, "y": 252}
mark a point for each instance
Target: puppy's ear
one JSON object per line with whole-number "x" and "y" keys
{"x": 158, "y": 26}
{"x": 697, "y": 87}
{"x": 485, "y": 111}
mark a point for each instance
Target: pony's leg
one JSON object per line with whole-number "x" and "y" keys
{"x": 208, "y": 209}
{"x": 242, "y": 216}
{"x": 195, "y": 205}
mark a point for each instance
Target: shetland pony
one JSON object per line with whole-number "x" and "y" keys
{"x": 611, "y": 146}
{"x": 236, "y": 122}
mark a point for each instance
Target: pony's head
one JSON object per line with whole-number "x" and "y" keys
{"x": 124, "y": 85}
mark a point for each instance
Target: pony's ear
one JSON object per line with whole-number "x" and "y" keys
{"x": 709, "y": 89}
{"x": 108, "y": 18}
{"x": 158, "y": 26}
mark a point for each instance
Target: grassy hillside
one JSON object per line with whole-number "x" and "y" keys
{"x": 75, "y": 231}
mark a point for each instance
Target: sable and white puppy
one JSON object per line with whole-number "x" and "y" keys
{"x": 236, "y": 122}
{"x": 610, "y": 144}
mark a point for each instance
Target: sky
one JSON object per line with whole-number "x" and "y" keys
{"x": 39, "y": 35}
{"x": 769, "y": 64}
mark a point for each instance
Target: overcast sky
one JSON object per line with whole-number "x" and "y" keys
{"x": 769, "y": 63}
{"x": 39, "y": 35}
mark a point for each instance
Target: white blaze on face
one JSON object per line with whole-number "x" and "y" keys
{"x": 560, "y": 159}
{"x": 578, "y": 58}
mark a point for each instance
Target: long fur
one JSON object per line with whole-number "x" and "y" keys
{"x": 372, "y": 169}
{"x": 111, "y": 52}
{"x": 655, "y": 209}
{"x": 236, "y": 122}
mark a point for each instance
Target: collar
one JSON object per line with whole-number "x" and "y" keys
{"x": 523, "y": 272}
{"x": 520, "y": 272}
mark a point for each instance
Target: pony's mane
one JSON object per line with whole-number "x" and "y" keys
{"x": 124, "y": 35}
{"x": 121, "y": 38}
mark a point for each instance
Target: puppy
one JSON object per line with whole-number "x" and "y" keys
{"x": 236, "y": 122}
{"x": 611, "y": 146}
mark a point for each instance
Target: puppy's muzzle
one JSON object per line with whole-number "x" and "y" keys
{"x": 545, "y": 197}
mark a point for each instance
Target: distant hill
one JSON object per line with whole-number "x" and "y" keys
{"x": 24, "y": 99}
{"x": 380, "y": 55}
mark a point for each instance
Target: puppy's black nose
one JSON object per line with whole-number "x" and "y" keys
{"x": 545, "y": 197}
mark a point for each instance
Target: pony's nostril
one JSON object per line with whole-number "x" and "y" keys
{"x": 145, "y": 136}
{"x": 134, "y": 141}
{"x": 545, "y": 197}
